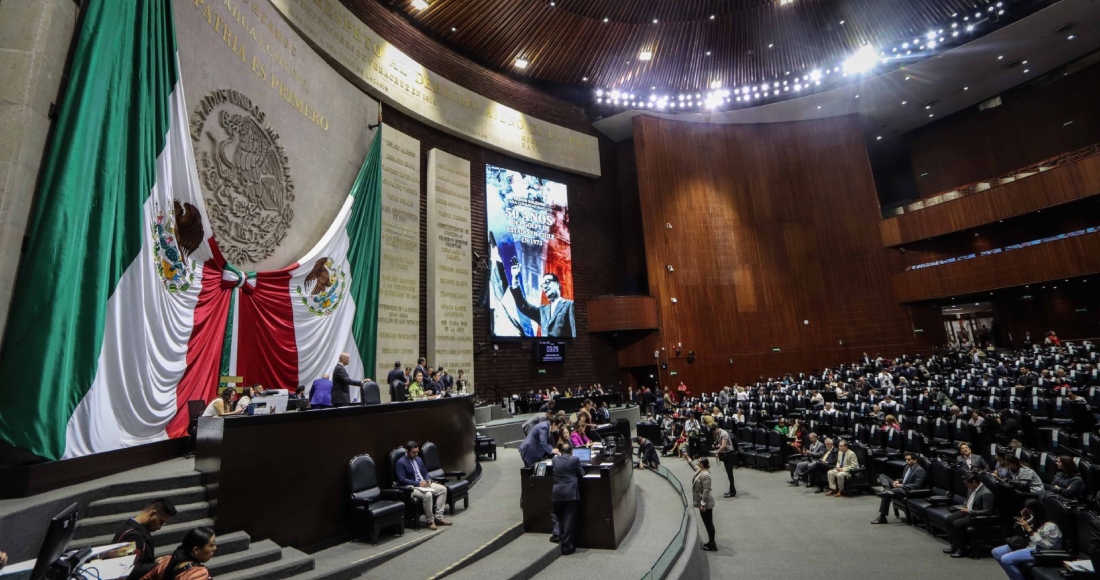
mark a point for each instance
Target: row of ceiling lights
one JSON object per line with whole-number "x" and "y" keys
{"x": 861, "y": 62}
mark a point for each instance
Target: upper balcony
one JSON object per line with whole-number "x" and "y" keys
{"x": 1068, "y": 177}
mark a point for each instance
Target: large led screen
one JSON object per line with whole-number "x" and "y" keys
{"x": 531, "y": 285}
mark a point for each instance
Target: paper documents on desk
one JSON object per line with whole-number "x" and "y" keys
{"x": 1080, "y": 566}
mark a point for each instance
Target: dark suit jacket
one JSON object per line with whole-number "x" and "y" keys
{"x": 561, "y": 323}
{"x": 406, "y": 475}
{"x": 537, "y": 444}
{"x": 567, "y": 475}
{"x": 144, "y": 557}
{"x": 916, "y": 478}
{"x": 976, "y": 462}
{"x": 984, "y": 504}
{"x": 340, "y": 383}
{"x": 647, "y": 454}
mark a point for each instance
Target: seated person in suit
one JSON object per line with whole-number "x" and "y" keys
{"x": 538, "y": 444}
{"x": 912, "y": 477}
{"x": 1068, "y": 482}
{"x": 411, "y": 471}
{"x": 139, "y": 530}
{"x": 979, "y": 502}
{"x": 817, "y": 471}
{"x": 814, "y": 452}
{"x": 433, "y": 388}
{"x": 647, "y": 454}
{"x": 970, "y": 460}
{"x": 846, "y": 461}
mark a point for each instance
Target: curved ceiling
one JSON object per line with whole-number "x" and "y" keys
{"x": 695, "y": 44}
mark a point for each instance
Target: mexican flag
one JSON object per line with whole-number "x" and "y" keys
{"x": 125, "y": 310}
{"x": 289, "y": 327}
{"x": 111, "y": 285}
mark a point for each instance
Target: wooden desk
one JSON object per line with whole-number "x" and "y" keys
{"x": 607, "y": 506}
{"x": 284, "y": 477}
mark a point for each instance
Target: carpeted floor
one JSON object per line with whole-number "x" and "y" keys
{"x": 494, "y": 507}
{"x": 773, "y": 530}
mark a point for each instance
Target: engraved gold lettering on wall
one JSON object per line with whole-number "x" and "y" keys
{"x": 248, "y": 31}
{"x": 450, "y": 311}
{"x": 399, "y": 284}
{"x": 244, "y": 174}
{"x": 401, "y": 81}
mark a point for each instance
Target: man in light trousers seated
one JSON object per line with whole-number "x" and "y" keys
{"x": 846, "y": 461}
{"x": 411, "y": 471}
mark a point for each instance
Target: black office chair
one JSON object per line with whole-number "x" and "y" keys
{"x": 486, "y": 446}
{"x": 414, "y": 506}
{"x": 194, "y": 411}
{"x": 367, "y": 500}
{"x": 458, "y": 489}
{"x": 370, "y": 394}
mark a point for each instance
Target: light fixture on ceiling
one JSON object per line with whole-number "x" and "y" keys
{"x": 1071, "y": 37}
{"x": 453, "y": 29}
{"x": 715, "y": 84}
{"x": 606, "y": 20}
{"x": 815, "y": 75}
{"x": 584, "y": 78}
{"x": 645, "y": 55}
{"x": 655, "y": 21}
{"x": 521, "y": 63}
{"x": 420, "y": 4}
{"x": 712, "y": 17}
{"x": 879, "y": 138}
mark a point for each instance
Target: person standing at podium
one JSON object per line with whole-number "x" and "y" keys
{"x": 341, "y": 395}
{"x": 564, "y": 496}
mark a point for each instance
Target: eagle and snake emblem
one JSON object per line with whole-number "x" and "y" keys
{"x": 324, "y": 287}
{"x": 176, "y": 235}
{"x": 248, "y": 190}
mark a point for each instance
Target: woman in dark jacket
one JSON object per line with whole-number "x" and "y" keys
{"x": 1067, "y": 483}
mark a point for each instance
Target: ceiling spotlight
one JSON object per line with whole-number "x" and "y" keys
{"x": 655, "y": 21}
{"x": 819, "y": 106}
{"x": 712, "y": 17}
{"x": 770, "y": 45}
{"x": 584, "y": 78}
{"x": 879, "y": 138}
{"x": 905, "y": 102}
{"x": 970, "y": 28}
{"x": 420, "y": 4}
{"x": 815, "y": 75}
{"x": 715, "y": 84}
{"x": 708, "y": 53}
{"x": 1071, "y": 37}
{"x": 599, "y": 101}
{"x": 552, "y": 4}
{"x": 605, "y": 20}
{"x": 966, "y": 88}
{"x": 645, "y": 55}
{"x": 521, "y": 63}
{"x": 1001, "y": 57}
{"x": 842, "y": 23}
{"x": 1027, "y": 70}
{"x": 453, "y": 29}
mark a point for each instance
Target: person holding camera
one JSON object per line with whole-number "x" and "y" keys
{"x": 702, "y": 498}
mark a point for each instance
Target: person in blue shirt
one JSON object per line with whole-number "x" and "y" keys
{"x": 433, "y": 496}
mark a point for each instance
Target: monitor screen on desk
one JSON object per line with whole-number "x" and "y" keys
{"x": 584, "y": 454}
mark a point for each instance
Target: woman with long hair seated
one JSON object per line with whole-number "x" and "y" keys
{"x": 188, "y": 561}
{"x": 1036, "y": 531}
{"x": 579, "y": 437}
{"x": 221, "y": 405}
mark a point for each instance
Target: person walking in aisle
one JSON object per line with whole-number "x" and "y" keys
{"x": 702, "y": 498}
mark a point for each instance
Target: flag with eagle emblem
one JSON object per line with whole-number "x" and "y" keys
{"x": 125, "y": 309}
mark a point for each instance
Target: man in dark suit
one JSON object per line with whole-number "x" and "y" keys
{"x": 911, "y": 478}
{"x": 979, "y": 502}
{"x": 555, "y": 318}
{"x": 341, "y": 396}
{"x": 970, "y": 460}
{"x": 537, "y": 446}
{"x": 421, "y": 366}
{"x": 395, "y": 375}
{"x": 433, "y": 496}
{"x": 815, "y": 473}
{"x": 564, "y": 496}
{"x": 446, "y": 380}
{"x": 647, "y": 454}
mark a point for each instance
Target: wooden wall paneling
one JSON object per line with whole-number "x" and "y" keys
{"x": 622, "y": 313}
{"x": 1067, "y": 258}
{"x": 1072, "y": 310}
{"x": 974, "y": 145}
{"x": 772, "y": 225}
{"x": 1060, "y": 185}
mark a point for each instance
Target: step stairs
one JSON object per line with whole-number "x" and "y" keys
{"x": 237, "y": 557}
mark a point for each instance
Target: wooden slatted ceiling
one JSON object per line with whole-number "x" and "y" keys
{"x": 570, "y": 41}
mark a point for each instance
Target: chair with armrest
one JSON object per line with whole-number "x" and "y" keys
{"x": 367, "y": 498}
{"x": 936, "y": 514}
{"x": 371, "y": 395}
{"x": 902, "y": 503}
{"x": 487, "y": 446}
{"x": 860, "y": 478}
{"x": 194, "y": 411}
{"x": 1050, "y": 564}
{"x": 457, "y": 489}
{"x": 987, "y": 532}
{"x": 414, "y": 506}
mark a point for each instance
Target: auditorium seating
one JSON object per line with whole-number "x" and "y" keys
{"x": 457, "y": 489}
{"x": 367, "y": 501}
{"x": 1036, "y": 419}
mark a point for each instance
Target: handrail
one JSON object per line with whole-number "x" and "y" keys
{"x": 672, "y": 552}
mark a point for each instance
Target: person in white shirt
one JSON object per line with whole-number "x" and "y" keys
{"x": 1041, "y": 535}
